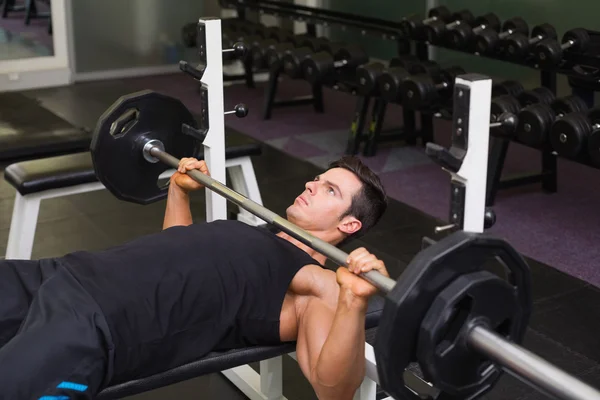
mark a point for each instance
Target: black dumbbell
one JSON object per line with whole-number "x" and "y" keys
{"x": 412, "y": 26}
{"x": 260, "y": 48}
{"x": 510, "y": 87}
{"x": 390, "y": 82}
{"x": 569, "y": 135}
{"x": 423, "y": 90}
{"x": 322, "y": 66}
{"x": 311, "y": 45}
{"x": 274, "y": 55}
{"x": 536, "y": 120}
{"x": 593, "y": 147}
{"x": 461, "y": 36}
{"x": 548, "y": 52}
{"x": 435, "y": 31}
{"x": 517, "y": 46}
{"x": 292, "y": 61}
{"x": 537, "y": 95}
{"x": 368, "y": 75}
{"x": 488, "y": 41}
{"x": 504, "y": 104}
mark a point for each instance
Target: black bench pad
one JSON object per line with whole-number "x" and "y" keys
{"x": 219, "y": 361}
{"x": 75, "y": 169}
{"x": 27, "y": 130}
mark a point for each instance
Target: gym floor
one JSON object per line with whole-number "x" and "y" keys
{"x": 563, "y": 327}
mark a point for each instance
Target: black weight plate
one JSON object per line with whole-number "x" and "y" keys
{"x": 315, "y": 67}
{"x": 516, "y": 46}
{"x": 275, "y": 54}
{"x": 460, "y": 36}
{"x": 434, "y": 31}
{"x": 430, "y": 68}
{"x": 440, "y": 12}
{"x": 406, "y": 61}
{"x": 293, "y": 60}
{"x": 486, "y": 42}
{"x": 504, "y": 104}
{"x": 538, "y": 95}
{"x": 509, "y": 87}
{"x": 463, "y": 15}
{"x": 568, "y": 104}
{"x": 490, "y": 20}
{"x": 427, "y": 275}
{"x": 418, "y": 91}
{"x": 117, "y": 143}
{"x": 534, "y": 123}
{"x": 593, "y": 147}
{"x": 579, "y": 36}
{"x": 390, "y": 82}
{"x": 594, "y": 115}
{"x": 366, "y": 76}
{"x": 476, "y": 297}
{"x": 516, "y": 24}
{"x": 569, "y": 134}
{"x": 548, "y": 52}
{"x": 545, "y": 31}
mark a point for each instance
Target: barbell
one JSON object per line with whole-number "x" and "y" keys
{"x": 459, "y": 322}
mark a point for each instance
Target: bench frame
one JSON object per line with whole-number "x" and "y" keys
{"x": 27, "y": 207}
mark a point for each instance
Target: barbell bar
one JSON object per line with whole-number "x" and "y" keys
{"x": 515, "y": 359}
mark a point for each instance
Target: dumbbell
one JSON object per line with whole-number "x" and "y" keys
{"x": 510, "y": 87}
{"x": 436, "y": 30}
{"x": 593, "y": 146}
{"x": 569, "y": 136}
{"x": 391, "y": 81}
{"x": 548, "y": 52}
{"x": 259, "y": 49}
{"x": 321, "y": 66}
{"x": 368, "y": 75}
{"x": 488, "y": 41}
{"x": 500, "y": 107}
{"x": 517, "y": 46}
{"x": 536, "y": 120}
{"x": 538, "y": 95}
{"x": 306, "y": 46}
{"x": 423, "y": 90}
{"x": 412, "y": 26}
{"x": 460, "y": 37}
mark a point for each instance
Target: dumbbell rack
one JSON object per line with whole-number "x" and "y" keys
{"x": 582, "y": 70}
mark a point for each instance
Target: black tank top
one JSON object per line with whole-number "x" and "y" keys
{"x": 173, "y": 296}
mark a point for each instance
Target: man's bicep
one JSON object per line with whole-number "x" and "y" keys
{"x": 313, "y": 329}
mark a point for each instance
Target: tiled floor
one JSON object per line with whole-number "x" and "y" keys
{"x": 564, "y": 325}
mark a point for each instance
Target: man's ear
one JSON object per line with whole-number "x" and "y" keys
{"x": 349, "y": 225}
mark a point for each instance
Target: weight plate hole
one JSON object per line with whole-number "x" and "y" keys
{"x": 455, "y": 323}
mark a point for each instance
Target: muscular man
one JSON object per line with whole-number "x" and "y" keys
{"x": 69, "y": 326}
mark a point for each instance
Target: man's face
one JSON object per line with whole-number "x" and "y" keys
{"x": 324, "y": 200}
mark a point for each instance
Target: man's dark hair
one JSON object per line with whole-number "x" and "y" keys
{"x": 369, "y": 204}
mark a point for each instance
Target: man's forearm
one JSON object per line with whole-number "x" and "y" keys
{"x": 178, "y": 210}
{"x": 341, "y": 363}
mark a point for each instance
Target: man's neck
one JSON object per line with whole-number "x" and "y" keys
{"x": 310, "y": 251}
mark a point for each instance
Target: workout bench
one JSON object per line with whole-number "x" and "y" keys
{"x": 60, "y": 176}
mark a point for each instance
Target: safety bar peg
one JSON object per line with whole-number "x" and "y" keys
{"x": 239, "y": 49}
{"x": 240, "y": 110}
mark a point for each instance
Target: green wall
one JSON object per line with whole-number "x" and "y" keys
{"x": 564, "y": 15}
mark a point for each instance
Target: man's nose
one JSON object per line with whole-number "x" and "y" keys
{"x": 310, "y": 186}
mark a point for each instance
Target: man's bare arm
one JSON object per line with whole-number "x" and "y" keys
{"x": 178, "y": 211}
{"x": 331, "y": 346}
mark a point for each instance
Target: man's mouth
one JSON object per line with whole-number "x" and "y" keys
{"x": 302, "y": 200}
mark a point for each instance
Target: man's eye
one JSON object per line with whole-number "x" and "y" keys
{"x": 331, "y": 191}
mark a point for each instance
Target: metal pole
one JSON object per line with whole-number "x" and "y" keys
{"x": 529, "y": 367}
{"x": 380, "y": 281}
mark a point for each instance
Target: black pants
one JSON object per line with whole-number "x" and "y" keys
{"x": 54, "y": 339}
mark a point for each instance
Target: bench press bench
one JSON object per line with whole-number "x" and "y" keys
{"x": 59, "y": 176}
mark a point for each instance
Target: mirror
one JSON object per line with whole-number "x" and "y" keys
{"x": 25, "y": 29}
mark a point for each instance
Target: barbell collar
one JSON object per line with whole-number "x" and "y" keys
{"x": 527, "y": 366}
{"x": 377, "y": 279}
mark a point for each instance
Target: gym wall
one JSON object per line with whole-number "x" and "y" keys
{"x": 564, "y": 15}
{"x": 116, "y": 34}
